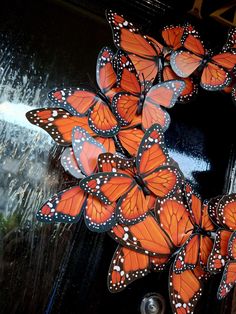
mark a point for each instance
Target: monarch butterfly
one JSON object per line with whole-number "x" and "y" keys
{"x": 161, "y": 235}
{"x": 141, "y": 99}
{"x": 68, "y": 205}
{"x": 82, "y": 102}
{"x": 224, "y": 216}
{"x": 59, "y": 124}
{"x": 198, "y": 247}
{"x": 215, "y": 74}
{"x": 172, "y": 36}
{"x": 144, "y": 51}
{"x": 229, "y": 275}
{"x": 185, "y": 289}
{"x": 128, "y": 265}
{"x": 128, "y": 37}
{"x": 152, "y": 175}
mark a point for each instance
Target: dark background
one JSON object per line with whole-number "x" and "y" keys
{"x": 63, "y": 268}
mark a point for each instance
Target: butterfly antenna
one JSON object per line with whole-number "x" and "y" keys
{"x": 91, "y": 81}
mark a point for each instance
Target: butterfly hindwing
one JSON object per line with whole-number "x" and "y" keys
{"x": 219, "y": 254}
{"x": 86, "y": 150}
{"x": 105, "y": 73}
{"x": 98, "y": 216}
{"x": 77, "y": 101}
{"x": 69, "y": 163}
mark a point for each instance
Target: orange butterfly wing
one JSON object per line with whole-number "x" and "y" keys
{"x": 125, "y": 107}
{"x": 188, "y": 256}
{"x": 185, "y": 289}
{"x": 102, "y": 121}
{"x": 163, "y": 182}
{"x": 206, "y": 246}
{"x": 128, "y": 265}
{"x": 77, "y": 101}
{"x": 227, "y": 60}
{"x": 108, "y": 143}
{"x": 105, "y": 73}
{"x": 130, "y": 139}
{"x": 219, "y": 254}
{"x": 107, "y": 186}
{"x": 145, "y": 237}
{"x": 152, "y": 152}
{"x": 128, "y": 37}
{"x": 98, "y": 216}
{"x": 190, "y": 90}
{"x": 174, "y": 219}
{"x": 226, "y": 211}
{"x": 163, "y": 94}
{"x": 147, "y": 69}
{"x": 192, "y": 41}
{"x": 133, "y": 206}
{"x": 66, "y": 206}
{"x": 214, "y": 77}
{"x": 228, "y": 280}
{"x": 232, "y": 246}
{"x": 184, "y": 63}
{"x": 127, "y": 77}
{"x": 58, "y": 123}
{"x": 152, "y": 114}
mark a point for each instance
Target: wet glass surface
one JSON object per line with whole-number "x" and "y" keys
{"x": 62, "y": 268}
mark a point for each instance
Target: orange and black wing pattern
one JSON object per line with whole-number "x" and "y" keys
{"x": 130, "y": 139}
{"x": 153, "y": 164}
{"x": 213, "y": 204}
{"x": 105, "y": 73}
{"x": 228, "y": 279}
{"x": 98, "y": 216}
{"x": 102, "y": 121}
{"x": 172, "y": 35}
{"x": 142, "y": 49}
{"x": 66, "y": 206}
{"x": 185, "y": 289}
{"x": 188, "y": 256}
{"x": 174, "y": 219}
{"x": 145, "y": 237}
{"x": 126, "y": 266}
{"x": 125, "y": 103}
{"x": 77, "y": 101}
{"x": 219, "y": 255}
{"x": 226, "y": 211}
{"x": 129, "y": 265}
{"x": 58, "y": 123}
{"x": 107, "y": 186}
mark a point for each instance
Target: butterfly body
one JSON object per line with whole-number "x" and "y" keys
{"x": 141, "y": 183}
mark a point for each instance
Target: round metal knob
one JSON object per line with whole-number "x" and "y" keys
{"x": 152, "y": 303}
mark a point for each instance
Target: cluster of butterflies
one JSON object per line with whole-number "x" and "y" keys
{"x": 127, "y": 184}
